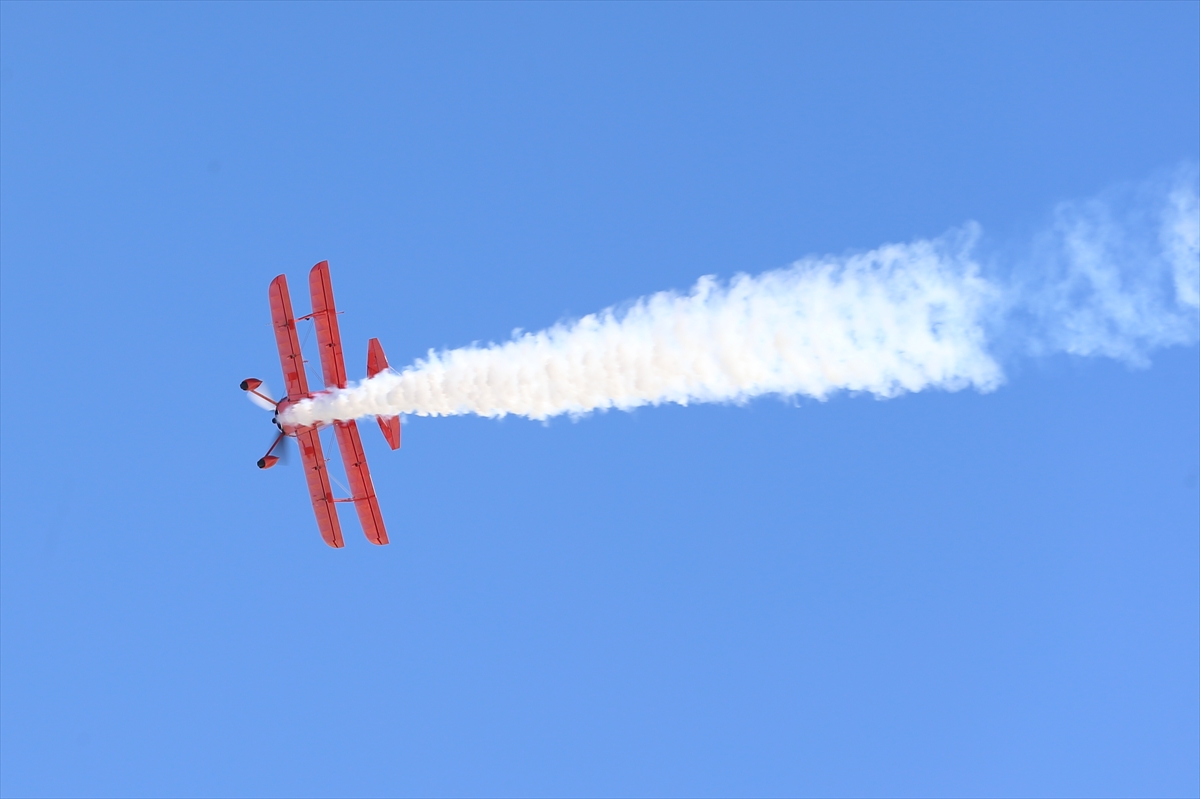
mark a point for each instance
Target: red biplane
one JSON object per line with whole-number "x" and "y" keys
{"x": 333, "y": 369}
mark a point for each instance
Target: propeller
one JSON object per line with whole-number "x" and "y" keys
{"x": 278, "y": 452}
{"x": 258, "y": 393}
{"x": 284, "y": 450}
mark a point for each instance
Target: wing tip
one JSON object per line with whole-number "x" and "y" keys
{"x": 319, "y": 274}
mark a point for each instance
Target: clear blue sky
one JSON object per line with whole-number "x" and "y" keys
{"x": 937, "y": 595}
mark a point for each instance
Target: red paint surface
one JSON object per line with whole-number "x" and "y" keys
{"x": 333, "y": 367}
{"x": 376, "y": 363}
{"x": 292, "y": 361}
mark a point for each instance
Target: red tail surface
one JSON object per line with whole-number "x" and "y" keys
{"x": 376, "y": 363}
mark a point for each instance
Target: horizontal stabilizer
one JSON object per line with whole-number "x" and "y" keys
{"x": 376, "y": 360}
{"x": 390, "y": 425}
{"x": 376, "y": 363}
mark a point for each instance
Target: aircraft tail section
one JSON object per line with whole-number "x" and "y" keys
{"x": 376, "y": 363}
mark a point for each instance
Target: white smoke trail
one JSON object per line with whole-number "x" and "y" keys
{"x": 1116, "y": 276}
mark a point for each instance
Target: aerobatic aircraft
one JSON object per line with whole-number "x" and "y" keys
{"x": 333, "y": 369}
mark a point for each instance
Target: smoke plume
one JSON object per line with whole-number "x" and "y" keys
{"x": 1115, "y": 276}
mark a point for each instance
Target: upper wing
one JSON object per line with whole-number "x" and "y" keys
{"x": 355, "y": 460}
{"x": 333, "y": 366}
{"x": 290, "y": 357}
{"x": 318, "y": 485}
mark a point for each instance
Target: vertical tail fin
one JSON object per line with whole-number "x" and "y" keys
{"x": 376, "y": 363}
